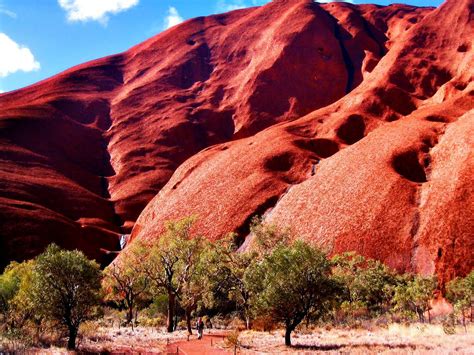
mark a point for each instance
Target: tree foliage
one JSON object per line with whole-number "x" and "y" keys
{"x": 124, "y": 282}
{"x": 460, "y": 292}
{"x": 365, "y": 282}
{"x": 292, "y": 282}
{"x": 172, "y": 264}
{"x": 9, "y": 286}
{"x": 274, "y": 278}
{"x": 16, "y": 303}
{"x": 412, "y": 295}
{"x": 226, "y": 277}
{"x": 66, "y": 288}
{"x": 268, "y": 236}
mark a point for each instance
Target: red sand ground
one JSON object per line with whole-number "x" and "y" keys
{"x": 351, "y": 124}
{"x": 204, "y": 346}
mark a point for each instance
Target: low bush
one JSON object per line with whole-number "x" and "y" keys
{"x": 264, "y": 323}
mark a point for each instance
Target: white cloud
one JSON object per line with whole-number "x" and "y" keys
{"x": 15, "y": 57}
{"x": 94, "y": 10}
{"x": 172, "y": 18}
{"x": 5, "y": 11}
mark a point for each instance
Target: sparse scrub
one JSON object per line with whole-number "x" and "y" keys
{"x": 125, "y": 284}
{"x": 365, "y": 284}
{"x": 412, "y": 296}
{"x": 292, "y": 284}
{"x": 460, "y": 292}
{"x": 279, "y": 283}
{"x": 66, "y": 289}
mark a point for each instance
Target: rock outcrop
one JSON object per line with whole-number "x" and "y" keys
{"x": 351, "y": 124}
{"x": 385, "y": 171}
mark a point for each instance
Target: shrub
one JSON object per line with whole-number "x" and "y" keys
{"x": 292, "y": 283}
{"x": 365, "y": 284}
{"x": 460, "y": 292}
{"x": 232, "y": 339}
{"x": 264, "y": 323}
{"x": 125, "y": 283}
{"x": 66, "y": 289}
{"x": 412, "y": 296}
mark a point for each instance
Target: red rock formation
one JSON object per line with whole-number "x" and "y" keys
{"x": 103, "y": 138}
{"x": 347, "y": 177}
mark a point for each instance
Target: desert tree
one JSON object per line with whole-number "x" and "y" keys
{"x": 10, "y": 282}
{"x": 194, "y": 285}
{"x": 66, "y": 289}
{"x": 172, "y": 262}
{"x": 460, "y": 292}
{"x": 366, "y": 282}
{"x": 292, "y": 283}
{"x": 125, "y": 281}
{"x": 16, "y": 304}
{"x": 228, "y": 266}
{"x": 413, "y": 294}
{"x": 225, "y": 276}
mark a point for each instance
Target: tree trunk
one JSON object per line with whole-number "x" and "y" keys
{"x": 288, "y": 331}
{"x": 246, "y": 308}
{"x": 188, "y": 321}
{"x": 129, "y": 312}
{"x": 71, "y": 343}
{"x": 463, "y": 320}
{"x": 38, "y": 329}
{"x": 170, "y": 320}
{"x": 420, "y": 315}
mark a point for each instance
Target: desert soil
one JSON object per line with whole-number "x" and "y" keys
{"x": 396, "y": 339}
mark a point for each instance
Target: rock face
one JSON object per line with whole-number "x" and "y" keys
{"x": 353, "y": 125}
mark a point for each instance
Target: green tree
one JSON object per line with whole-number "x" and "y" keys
{"x": 194, "y": 281}
{"x": 9, "y": 285}
{"x": 292, "y": 283}
{"x": 460, "y": 292}
{"x": 125, "y": 281}
{"x": 172, "y": 262}
{"x": 226, "y": 276}
{"x": 413, "y": 294}
{"x": 66, "y": 288}
{"x": 268, "y": 236}
{"x": 365, "y": 281}
{"x": 227, "y": 267}
{"x": 16, "y": 304}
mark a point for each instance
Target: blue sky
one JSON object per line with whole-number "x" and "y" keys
{"x": 39, "y": 38}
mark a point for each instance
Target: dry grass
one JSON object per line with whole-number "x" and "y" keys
{"x": 396, "y": 339}
{"x": 108, "y": 339}
{"x": 140, "y": 339}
